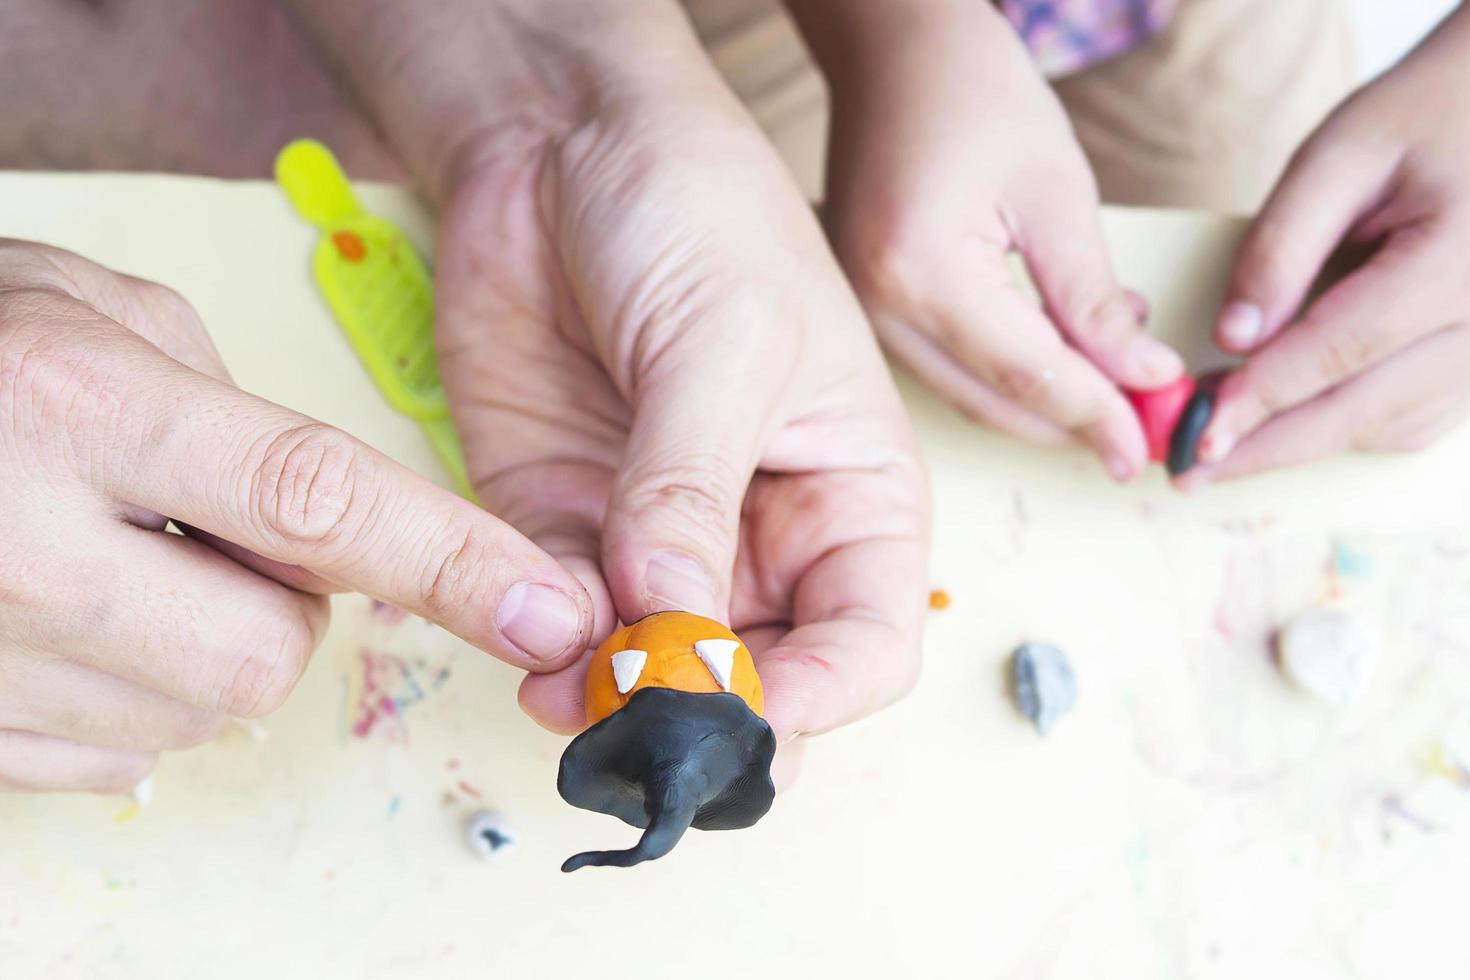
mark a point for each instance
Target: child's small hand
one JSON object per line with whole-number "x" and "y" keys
{"x": 1379, "y": 361}
{"x": 948, "y": 153}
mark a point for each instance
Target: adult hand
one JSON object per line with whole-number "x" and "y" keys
{"x": 657, "y": 369}
{"x": 948, "y": 153}
{"x": 662, "y": 379}
{"x": 119, "y": 639}
{"x": 1378, "y": 361}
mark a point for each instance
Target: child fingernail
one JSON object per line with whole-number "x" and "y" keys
{"x": 1157, "y": 360}
{"x": 1241, "y": 325}
{"x": 1215, "y": 446}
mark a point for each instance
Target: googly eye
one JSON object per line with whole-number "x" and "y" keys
{"x": 488, "y": 835}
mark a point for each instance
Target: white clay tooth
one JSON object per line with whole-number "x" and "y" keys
{"x": 627, "y": 667}
{"x": 719, "y": 657}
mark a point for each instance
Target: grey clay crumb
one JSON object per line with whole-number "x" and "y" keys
{"x": 1043, "y": 683}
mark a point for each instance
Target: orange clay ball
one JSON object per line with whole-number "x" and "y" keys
{"x": 668, "y": 639}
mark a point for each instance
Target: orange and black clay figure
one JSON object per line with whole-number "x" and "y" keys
{"x": 677, "y": 739}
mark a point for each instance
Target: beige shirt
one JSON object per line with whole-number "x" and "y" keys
{"x": 1204, "y": 116}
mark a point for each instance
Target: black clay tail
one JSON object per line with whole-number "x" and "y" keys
{"x": 664, "y": 830}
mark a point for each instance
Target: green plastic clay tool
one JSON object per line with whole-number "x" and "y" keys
{"x": 379, "y": 291}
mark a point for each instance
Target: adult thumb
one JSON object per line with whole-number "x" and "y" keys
{"x": 673, "y": 520}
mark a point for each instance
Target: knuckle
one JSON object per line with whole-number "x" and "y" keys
{"x": 1107, "y": 322}
{"x": 1260, "y": 393}
{"x": 889, "y": 265}
{"x": 1269, "y": 262}
{"x": 44, "y": 375}
{"x": 265, "y": 675}
{"x": 451, "y": 576}
{"x": 1025, "y": 384}
{"x": 700, "y": 490}
{"x": 1344, "y": 352}
{"x": 156, "y": 297}
{"x": 152, "y": 310}
{"x": 304, "y": 488}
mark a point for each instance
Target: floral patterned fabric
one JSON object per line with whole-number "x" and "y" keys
{"x": 1068, "y": 35}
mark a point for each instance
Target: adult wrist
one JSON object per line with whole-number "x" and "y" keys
{"x": 463, "y": 81}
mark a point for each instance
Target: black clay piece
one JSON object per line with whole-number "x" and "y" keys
{"x": 668, "y": 760}
{"x": 1184, "y": 443}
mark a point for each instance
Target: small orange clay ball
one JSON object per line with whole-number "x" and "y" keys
{"x": 668, "y": 639}
{"x": 939, "y": 599}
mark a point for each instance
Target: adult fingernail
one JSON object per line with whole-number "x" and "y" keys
{"x": 1154, "y": 359}
{"x": 677, "y": 581}
{"x": 539, "y": 619}
{"x": 1240, "y": 325}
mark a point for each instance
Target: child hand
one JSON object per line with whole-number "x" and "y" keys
{"x": 948, "y": 153}
{"x": 1379, "y": 361}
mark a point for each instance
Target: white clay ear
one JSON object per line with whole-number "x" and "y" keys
{"x": 719, "y": 657}
{"x": 627, "y": 667}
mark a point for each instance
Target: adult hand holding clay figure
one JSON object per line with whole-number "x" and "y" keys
{"x": 949, "y": 152}
{"x": 1379, "y": 361}
{"x": 656, "y": 367}
{"x": 119, "y": 639}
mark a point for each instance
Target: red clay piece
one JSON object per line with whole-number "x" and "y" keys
{"x": 1159, "y": 410}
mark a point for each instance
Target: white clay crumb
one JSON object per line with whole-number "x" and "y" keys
{"x": 143, "y": 792}
{"x": 627, "y": 667}
{"x": 1328, "y": 653}
{"x": 488, "y": 835}
{"x": 719, "y": 657}
{"x": 251, "y": 727}
{"x": 1454, "y": 745}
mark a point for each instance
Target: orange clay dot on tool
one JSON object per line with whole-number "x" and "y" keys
{"x": 379, "y": 291}
{"x": 349, "y": 246}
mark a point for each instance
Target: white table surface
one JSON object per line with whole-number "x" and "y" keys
{"x": 1195, "y": 817}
